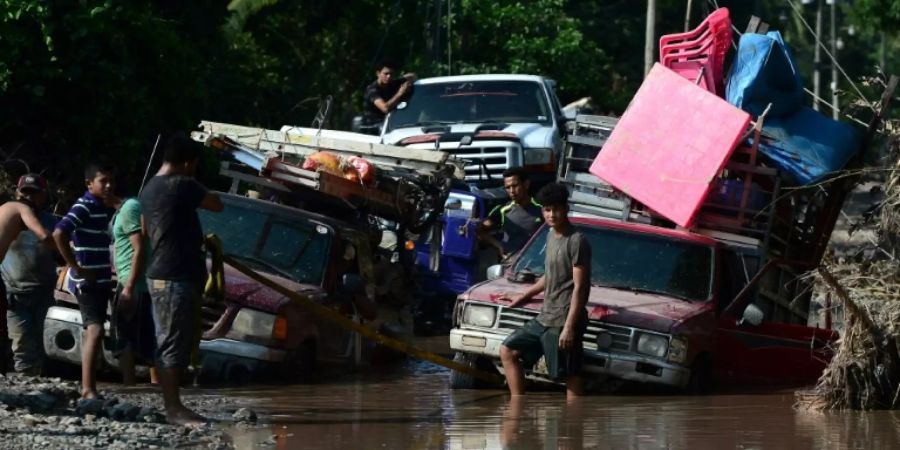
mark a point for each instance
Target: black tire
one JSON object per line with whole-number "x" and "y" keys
{"x": 302, "y": 362}
{"x": 459, "y": 380}
{"x": 701, "y": 381}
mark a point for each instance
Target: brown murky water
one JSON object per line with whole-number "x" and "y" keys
{"x": 410, "y": 407}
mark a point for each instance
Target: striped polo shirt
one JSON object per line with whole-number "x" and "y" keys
{"x": 87, "y": 222}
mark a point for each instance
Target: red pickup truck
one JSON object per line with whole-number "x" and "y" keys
{"x": 660, "y": 313}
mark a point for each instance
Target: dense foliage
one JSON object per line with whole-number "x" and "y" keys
{"x": 101, "y": 78}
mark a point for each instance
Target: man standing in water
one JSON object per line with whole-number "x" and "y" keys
{"x": 557, "y": 332}
{"x": 15, "y": 217}
{"x": 177, "y": 266}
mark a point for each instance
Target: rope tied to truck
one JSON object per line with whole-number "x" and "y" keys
{"x": 333, "y": 316}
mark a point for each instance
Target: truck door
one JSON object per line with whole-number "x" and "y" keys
{"x": 772, "y": 352}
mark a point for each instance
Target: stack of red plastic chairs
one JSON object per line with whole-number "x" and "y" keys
{"x": 699, "y": 54}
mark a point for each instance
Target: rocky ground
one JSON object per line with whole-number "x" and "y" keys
{"x": 45, "y": 413}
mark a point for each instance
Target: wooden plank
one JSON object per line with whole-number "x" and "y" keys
{"x": 298, "y": 141}
{"x": 254, "y": 180}
{"x": 728, "y": 237}
{"x": 776, "y": 299}
{"x": 586, "y": 140}
{"x": 607, "y": 122}
{"x": 589, "y": 199}
{"x": 302, "y": 137}
{"x": 589, "y": 180}
{"x": 753, "y": 25}
{"x": 749, "y": 168}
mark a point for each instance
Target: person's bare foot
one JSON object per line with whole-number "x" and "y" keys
{"x": 185, "y": 417}
{"x": 87, "y": 395}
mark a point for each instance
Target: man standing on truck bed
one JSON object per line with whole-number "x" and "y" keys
{"x": 386, "y": 92}
{"x": 29, "y": 274}
{"x": 557, "y": 332}
{"x": 517, "y": 220}
{"x": 177, "y": 266}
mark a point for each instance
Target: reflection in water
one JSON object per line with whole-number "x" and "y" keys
{"x": 411, "y": 408}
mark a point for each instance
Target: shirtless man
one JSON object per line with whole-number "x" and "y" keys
{"x": 15, "y": 217}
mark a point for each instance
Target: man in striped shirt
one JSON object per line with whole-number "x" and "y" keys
{"x": 86, "y": 226}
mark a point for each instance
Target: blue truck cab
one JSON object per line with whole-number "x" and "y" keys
{"x": 449, "y": 258}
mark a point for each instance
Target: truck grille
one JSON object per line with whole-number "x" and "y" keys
{"x": 495, "y": 158}
{"x": 513, "y": 319}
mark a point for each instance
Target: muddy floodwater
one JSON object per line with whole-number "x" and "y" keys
{"x": 408, "y": 406}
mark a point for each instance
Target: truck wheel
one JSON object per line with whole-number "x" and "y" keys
{"x": 301, "y": 364}
{"x": 701, "y": 376}
{"x": 459, "y": 380}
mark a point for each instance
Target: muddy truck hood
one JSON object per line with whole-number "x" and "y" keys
{"x": 246, "y": 291}
{"x": 649, "y": 311}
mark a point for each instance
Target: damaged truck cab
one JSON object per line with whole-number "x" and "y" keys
{"x": 322, "y": 258}
{"x": 658, "y": 313}
{"x": 493, "y": 122}
{"x": 723, "y": 303}
{"x": 254, "y": 331}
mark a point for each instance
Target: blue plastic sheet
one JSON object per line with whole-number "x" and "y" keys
{"x": 808, "y": 146}
{"x": 764, "y": 72}
{"x": 804, "y": 144}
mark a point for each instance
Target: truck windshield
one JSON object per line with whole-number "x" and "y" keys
{"x": 271, "y": 242}
{"x": 473, "y": 101}
{"x": 636, "y": 261}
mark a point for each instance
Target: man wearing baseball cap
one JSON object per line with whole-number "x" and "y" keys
{"x": 17, "y": 216}
{"x": 29, "y": 273}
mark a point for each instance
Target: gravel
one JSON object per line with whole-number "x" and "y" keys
{"x": 46, "y": 413}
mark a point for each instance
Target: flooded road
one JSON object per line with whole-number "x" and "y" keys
{"x": 410, "y": 407}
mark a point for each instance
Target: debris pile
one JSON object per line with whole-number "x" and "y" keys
{"x": 864, "y": 373}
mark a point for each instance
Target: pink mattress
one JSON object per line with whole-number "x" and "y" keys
{"x": 670, "y": 144}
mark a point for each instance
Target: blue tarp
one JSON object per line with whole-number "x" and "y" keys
{"x": 807, "y": 145}
{"x": 803, "y": 143}
{"x": 763, "y": 72}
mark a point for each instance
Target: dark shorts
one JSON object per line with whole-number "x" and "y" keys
{"x": 93, "y": 302}
{"x": 173, "y": 315}
{"x": 534, "y": 340}
{"x": 136, "y": 331}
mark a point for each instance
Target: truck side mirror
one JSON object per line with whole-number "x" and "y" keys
{"x": 752, "y": 315}
{"x": 494, "y": 272}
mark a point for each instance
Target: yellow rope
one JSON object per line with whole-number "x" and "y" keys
{"x": 330, "y": 315}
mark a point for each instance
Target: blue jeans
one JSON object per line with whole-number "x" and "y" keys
{"x": 25, "y": 318}
{"x": 173, "y": 317}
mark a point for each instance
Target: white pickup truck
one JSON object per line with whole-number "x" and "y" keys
{"x": 492, "y": 121}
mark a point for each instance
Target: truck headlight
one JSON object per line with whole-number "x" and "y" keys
{"x": 258, "y": 326}
{"x": 537, "y": 156}
{"x": 479, "y": 315}
{"x": 678, "y": 350}
{"x": 652, "y": 345}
